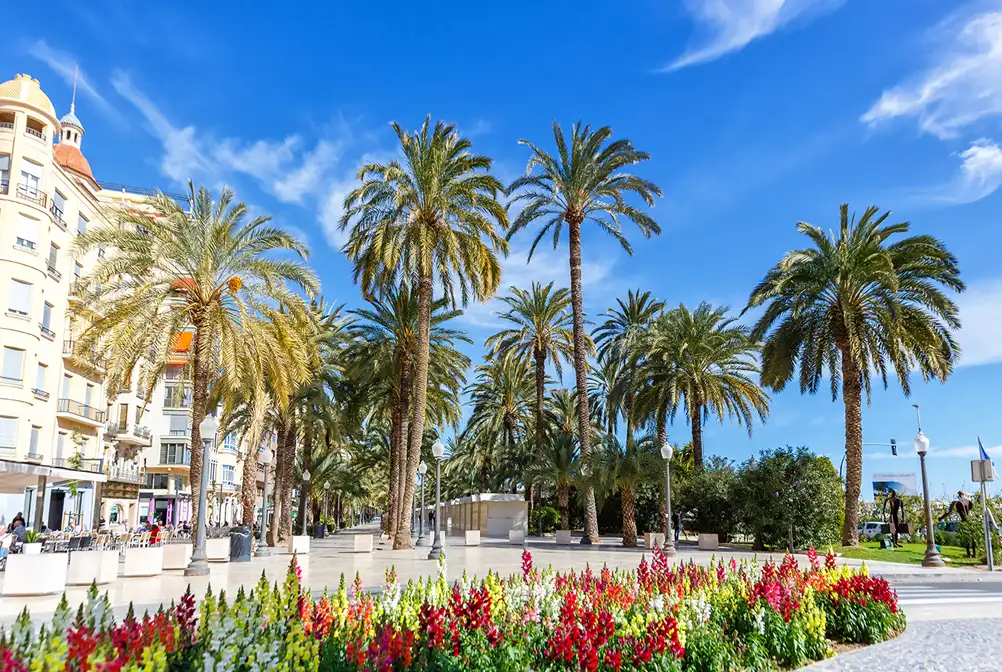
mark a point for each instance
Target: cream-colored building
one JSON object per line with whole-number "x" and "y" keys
{"x": 55, "y": 408}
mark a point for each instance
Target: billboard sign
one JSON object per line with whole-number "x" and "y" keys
{"x": 905, "y": 485}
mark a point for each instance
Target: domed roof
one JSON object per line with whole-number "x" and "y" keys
{"x": 70, "y": 119}
{"x": 72, "y": 158}
{"x": 26, "y": 90}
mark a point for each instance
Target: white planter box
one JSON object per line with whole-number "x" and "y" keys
{"x": 217, "y": 550}
{"x": 32, "y": 549}
{"x": 709, "y": 542}
{"x": 363, "y": 543}
{"x": 516, "y": 537}
{"x": 42, "y": 574}
{"x": 472, "y": 537}
{"x": 652, "y": 539}
{"x": 177, "y": 556}
{"x": 87, "y": 567}
{"x": 299, "y": 544}
{"x": 143, "y": 561}
{"x": 563, "y": 537}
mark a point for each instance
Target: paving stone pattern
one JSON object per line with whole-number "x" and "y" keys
{"x": 969, "y": 645}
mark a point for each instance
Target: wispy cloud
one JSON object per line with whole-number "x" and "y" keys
{"x": 731, "y": 25}
{"x": 970, "y": 452}
{"x": 980, "y": 175}
{"x": 65, "y": 65}
{"x": 980, "y": 336}
{"x": 961, "y": 84}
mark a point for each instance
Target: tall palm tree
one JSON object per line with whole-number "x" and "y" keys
{"x": 614, "y": 466}
{"x": 705, "y": 361}
{"x": 432, "y": 217}
{"x": 199, "y": 267}
{"x": 540, "y": 331}
{"x": 586, "y": 182}
{"x": 852, "y": 304}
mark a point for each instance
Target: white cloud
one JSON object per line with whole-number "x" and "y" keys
{"x": 980, "y": 336}
{"x": 65, "y": 65}
{"x": 970, "y": 452}
{"x": 262, "y": 159}
{"x": 307, "y": 178}
{"x": 732, "y": 25}
{"x": 980, "y": 176}
{"x": 961, "y": 86}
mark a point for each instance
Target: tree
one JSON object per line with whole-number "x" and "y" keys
{"x": 539, "y": 333}
{"x": 851, "y": 305}
{"x": 426, "y": 218}
{"x": 707, "y": 497}
{"x": 199, "y": 267}
{"x": 615, "y": 466}
{"x": 586, "y": 182}
{"x": 704, "y": 361}
{"x": 557, "y": 468}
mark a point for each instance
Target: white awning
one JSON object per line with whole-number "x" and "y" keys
{"x": 16, "y": 476}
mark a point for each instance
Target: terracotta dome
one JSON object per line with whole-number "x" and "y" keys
{"x": 72, "y": 158}
{"x": 26, "y": 90}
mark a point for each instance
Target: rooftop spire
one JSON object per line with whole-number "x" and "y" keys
{"x": 73, "y": 100}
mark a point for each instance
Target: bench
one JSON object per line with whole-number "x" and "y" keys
{"x": 709, "y": 542}
{"x": 363, "y": 543}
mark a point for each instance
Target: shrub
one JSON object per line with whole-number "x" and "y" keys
{"x": 861, "y": 609}
{"x": 545, "y": 518}
{"x": 708, "y": 498}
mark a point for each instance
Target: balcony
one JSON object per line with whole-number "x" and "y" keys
{"x": 53, "y": 273}
{"x": 48, "y": 333}
{"x": 74, "y": 410}
{"x": 34, "y": 133}
{"x": 40, "y": 394}
{"x": 90, "y": 357}
{"x": 57, "y": 217}
{"x": 33, "y": 457}
{"x": 25, "y": 244}
{"x": 126, "y": 433}
{"x": 125, "y": 472}
{"x": 90, "y": 464}
{"x": 4, "y": 186}
{"x": 142, "y": 431}
{"x": 32, "y": 195}
{"x": 7, "y": 125}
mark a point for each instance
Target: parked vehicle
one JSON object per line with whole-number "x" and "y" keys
{"x": 873, "y": 529}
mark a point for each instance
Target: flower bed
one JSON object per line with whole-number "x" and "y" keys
{"x": 659, "y": 617}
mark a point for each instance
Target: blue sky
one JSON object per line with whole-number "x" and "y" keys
{"x": 757, "y": 114}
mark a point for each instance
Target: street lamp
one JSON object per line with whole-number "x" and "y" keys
{"x": 303, "y": 494}
{"x": 262, "y": 547}
{"x": 668, "y": 547}
{"x": 931, "y": 558}
{"x": 198, "y": 565}
{"x": 327, "y": 513}
{"x": 437, "y": 549}
{"x": 422, "y": 470}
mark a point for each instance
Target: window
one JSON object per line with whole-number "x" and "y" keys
{"x": 40, "y": 377}
{"x": 58, "y": 206}
{"x": 77, "y": 270}
{"x": 20, "y": 297}
{"x": 8, "y": 432}
{"x": 229, "y": 474}
{"x": 60, "y": 445}
{"x": 115, "y": 516}
{"x": 213, "y": 467}
{"x": 13, "y": 365}
{"x": 27, "y": 233}
{"x": 175, "y": 453}
{"x": 33, "y": 444}
{"x": 82, "y": 224}
{"x": 31, "y": 178}
{"x": 88, "y": 394}
{"x": 53, "y": 257}
{"x": 4, "y": 170}
{"x": 177, "y": 425}
{"x": 47, "y": 316}
{"x": 230, "y": 442}
{"x": 123, "y": 416}
{"x": 157, "y": 481}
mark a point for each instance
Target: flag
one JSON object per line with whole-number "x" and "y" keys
{"x": 984, "y": 456}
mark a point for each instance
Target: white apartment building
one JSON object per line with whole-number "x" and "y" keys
{"x": 128, "y": 456}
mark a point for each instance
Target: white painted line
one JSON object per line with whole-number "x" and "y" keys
{"x": 950, "y": 600}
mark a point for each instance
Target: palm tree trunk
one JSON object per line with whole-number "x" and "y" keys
{"x": 276, "y": 501}
{"x": 564, "y": 503}
{"x": 581, "y": 372}
{"x": 540, "y": 371}
{"x": 400, "y": 484}
{"x": 200, "y": 395}
{"x": 853, "y": 401}
{"x": 425, "y": 290}
{"x": 286, "y": 482}
{"x": 393, "y": 493}
{"x": 248, "y": 485}
{"x": 696, "y": 421}
{"x": 629, "y": 516}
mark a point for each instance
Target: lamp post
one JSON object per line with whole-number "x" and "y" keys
{"x": 198, "y": 565}
{"x": 262, "y": 547}
{"x": 668, "y": 547}
{"x": 931, "y": 558}
{"x": 437, "y": 549}
{"x": 423, "y": 471}
{"x": 327, "y": 513}
{"x": 303, "y": 494}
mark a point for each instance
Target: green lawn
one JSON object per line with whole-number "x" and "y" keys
{"x": 911, "y": 554}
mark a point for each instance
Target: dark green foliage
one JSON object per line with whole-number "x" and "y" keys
{"x": 707, "y": 498}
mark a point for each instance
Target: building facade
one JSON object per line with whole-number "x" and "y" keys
{"x": 55, "y": 406}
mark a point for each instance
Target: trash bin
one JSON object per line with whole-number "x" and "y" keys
{"x": 240, "y": 544}
{"x": 318, "y": 531}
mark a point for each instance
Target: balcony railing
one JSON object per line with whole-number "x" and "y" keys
{"x": 7, "y": 124}
{"x": 4, "y": 186}
{"x": 32, "y": 195}
{"x": 24, "y": 243}
{"x": 125, "y": 472}
{"x": 53, "y": 272}
{"x": 48, "y": 333}
{"x": 113, "y": 428}
{"x": 34, "y": 133}
{"x": 57, "y": 217}
{"x": 83, "y": 410}
{"x": 11, "y": 381}
{"x": 90, "y": 464}
{"x": 142, "y": 431}
{"x": 76, "y": 287}
{"x": 90, "y": 356}
{"x": 41, "y": 394}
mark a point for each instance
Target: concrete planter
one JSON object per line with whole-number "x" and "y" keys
{"x": 299, "y": 544}
{"x": 143, "y": 561}
{"x": 709, "y": 542}
{"x": 652, "y": 539}
{"x": 363, "y": 543}
{"x": 32, "y": 549}
{"x": 472, "y": 537}
{"x": 87, "y": 567}
{"x": 217, "y": 550}
{"x": 43, "y": 574}
{"x": 516, "y": 537}
{"x": 563, "y": 537}
{"x": 177, "y": 556}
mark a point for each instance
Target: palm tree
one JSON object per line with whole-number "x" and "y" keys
{"x": 614, "y": 466}
{"x": 557, "y": 467}
{"x": 586, "y": 183}
{"x": 202, "y": 268}
{"x": 704, "y": 361}
{"x": 426, "y": 218}
{"x": 850, "y": 305}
